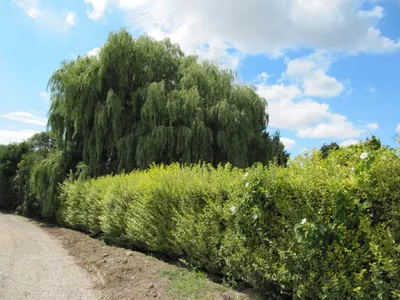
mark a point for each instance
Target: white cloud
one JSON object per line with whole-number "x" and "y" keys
{"x": 375, "y": 12}
{"x": 311, "y": 72}
{"x": 45, "y": 95}
{"x": 93, "y": 52}
{"x": 322, "y": 85}
{"x": 29, "y": 6}
{"x": 47, "y": 18}
{"x": 15, "y": 136}
{"x": 337, "y": 126}
{"x": 350, "y": 142}
{"x": 98, "y": 9}
{"x": 278, "y": 92}
{"x": 263, "y": 77}
{"x": 372, "y": 89}
{"x": 216, "y": 51}
{"x": 291, "y": 108}
{"x": 253, "y": 27}
{"x": 373, "y": 126}
{"x": 289, "y": 143}
{"x": 286, "y": 108}
{"x": 70, "y": 19}
{"x": 398, "y": 128}
{"x": 25, "y": 117}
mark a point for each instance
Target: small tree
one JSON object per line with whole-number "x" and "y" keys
{"x": 325, "y": 149}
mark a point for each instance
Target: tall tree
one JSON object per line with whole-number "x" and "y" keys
{"x": 143, "y": 101}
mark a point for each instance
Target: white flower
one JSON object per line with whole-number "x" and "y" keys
{"x": 247, "y": 184}
{"x": 245, "y": 175}
{"x": 364, "y": 155}
{"x": 233, "y": 209}
{"x": 303, "y": 221}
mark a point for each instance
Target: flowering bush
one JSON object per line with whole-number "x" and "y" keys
{"x": 322, "y": 228}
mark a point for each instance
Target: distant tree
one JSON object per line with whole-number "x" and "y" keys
{"x": 10, "y": 156}
{"x": 39, "y": 148}
{"x": 373, "y": 143}
{"x": 325, "y": 149}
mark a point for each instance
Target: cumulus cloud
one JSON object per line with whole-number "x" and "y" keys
{"x": 48, "y": 18}
{"x": 373, "y": 126}
{"x": 94, "y": 52}
{"x": 98, "y": 9}
{"x": 290, "y": 106}
{"x": 337, "y": 126}
{"x": 398, "y": 128}
{"x": 375, "y": 12}
{"x": 25, "y": 117}
{"x": 309, "y": 118}
{"x": 289, "y": 143}
{"x": 286, "y": 108}
{"x": 350, "y": 142}
{"x": 15, "y": 136}
{"x": 311, "y": 71}
{"x": 253, "y": 27}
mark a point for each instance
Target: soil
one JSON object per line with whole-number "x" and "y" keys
{"x": 123, "y": 274}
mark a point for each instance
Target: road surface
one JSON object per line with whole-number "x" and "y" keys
{"x": 34, "y": 265}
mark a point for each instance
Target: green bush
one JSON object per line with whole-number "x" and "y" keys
{"x": 322, "y": 228}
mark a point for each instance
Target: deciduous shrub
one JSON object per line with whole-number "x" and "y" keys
{"x": 322, "y": 228}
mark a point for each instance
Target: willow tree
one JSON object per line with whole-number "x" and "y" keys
{"x": 207, "y": 117}
{"x": 97, "y": 101}
{"x": 39, "y": 149}
{"x": 142, "y": 101}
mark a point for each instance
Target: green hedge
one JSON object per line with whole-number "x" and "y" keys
{"x": 319, "y": 229}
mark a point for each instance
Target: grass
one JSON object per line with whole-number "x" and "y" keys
{"x": 184, "y": 284}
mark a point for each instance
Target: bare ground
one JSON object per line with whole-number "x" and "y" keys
{"x": 123, "y": 274}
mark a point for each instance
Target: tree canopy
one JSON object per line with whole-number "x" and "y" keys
{"x": 143, "y": 101}
{"x": 10, "y": 156}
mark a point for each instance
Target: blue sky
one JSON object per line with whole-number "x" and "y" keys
{"x": 329, "y": 69}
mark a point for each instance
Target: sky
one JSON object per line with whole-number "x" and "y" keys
{"x": 328, "y": 69}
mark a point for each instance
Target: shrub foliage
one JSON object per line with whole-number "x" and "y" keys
{"x": 323, "y": 228}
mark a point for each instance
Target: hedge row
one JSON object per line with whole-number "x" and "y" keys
{"x": 319, "y": 229}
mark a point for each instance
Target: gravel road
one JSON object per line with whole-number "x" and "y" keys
{"x": 34, "y": 265}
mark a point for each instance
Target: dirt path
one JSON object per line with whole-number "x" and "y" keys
{"x": 124, "y": 274}
{"x": 33, "y": 265}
